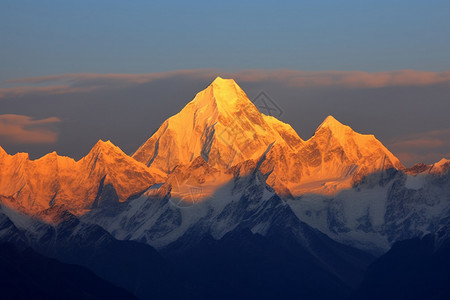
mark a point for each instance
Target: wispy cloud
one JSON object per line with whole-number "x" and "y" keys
{"x": 348, "y": 79}
{"x": 20, "y": 129}
{"x": 48, "y": 90}
{"x": 425, "y": 146}
{"x": 85, "y": 82}
{"x": 90, "y": 77}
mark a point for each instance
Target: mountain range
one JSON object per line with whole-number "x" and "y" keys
{"x": 223, "y": 201}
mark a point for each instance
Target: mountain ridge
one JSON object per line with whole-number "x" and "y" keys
{"x": 34, "y": 185}
{"x": 221, "y": 126}
{"x": 225, "y": 141}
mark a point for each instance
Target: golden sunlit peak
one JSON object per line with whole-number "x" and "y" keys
{"x": 103, "y": 145}
{"x": 225, "y": 85}
{"x": 221, "y": 81}
{"x": 331, "y": 120}
{"x": 225, "y": 93}
{"x": 331, "y": 123}
{"x": 442, "y": 162}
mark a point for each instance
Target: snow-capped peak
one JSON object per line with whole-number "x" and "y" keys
{"x": 331, "y": 122}
{"x": 106, "y": 151}
{"x": 224, "y": 82}
{"x": 440, "y": 167}
{"x": 104, "y": 146}
{"x": 220, "y": 124}
{"x": 224, "y": 97}
{"x": 224, "y": 127}
{"x": 442, "y": 162}
{"x": 337, "y": 128}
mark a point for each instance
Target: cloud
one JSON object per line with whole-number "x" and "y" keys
{"x": 20, "y": 129}
{"x": 426, "y": 146}
{"x": 409, "y": 159}
{"x": 85, "y": 82}
{"x": 422, "y": 143}
{"x": 90, "y": 77}
{"x": 49, "y": 90}
{"x": 347, "y": 79}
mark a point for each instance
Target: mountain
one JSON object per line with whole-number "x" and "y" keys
{"x": 381, "y": 208}
{"x": 244, "y": 265}
{"x": 25, "y": 274}
{"x": 223, "y": 127}
{"x": 215, "y": 132}
{"x": 223, "y": 200}
{"x": 346, "y": 184}
{"x": 244, "y": 220}
{"x": 248, "y": 223}
{"x": 105, "y": 176}
{"x": 333, "y": 159}
{"x": 439, "y": 167}
{"x": 336, "y": 154}
{"x": 203, "y": 154}
{"x": 134, "y": 266}
{"x": 417, "y": 268}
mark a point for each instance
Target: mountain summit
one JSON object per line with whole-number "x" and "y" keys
{"x": 227, "y": 96}
{"x": 220, "y": 125}
{"x": 337, "y": 156}
{"x": 332, "y": 135}
{"x": 224, "y": 128}
{"x": 334, "y": 125}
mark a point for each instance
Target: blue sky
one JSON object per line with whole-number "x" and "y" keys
{"x": 52, "y": 37}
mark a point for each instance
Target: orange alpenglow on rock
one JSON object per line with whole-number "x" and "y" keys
{"x": 217, "y": 136}
{"x": 336, "y": 156}
{"x": 103, "y": 177}
{"x": 222, "y": 126}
